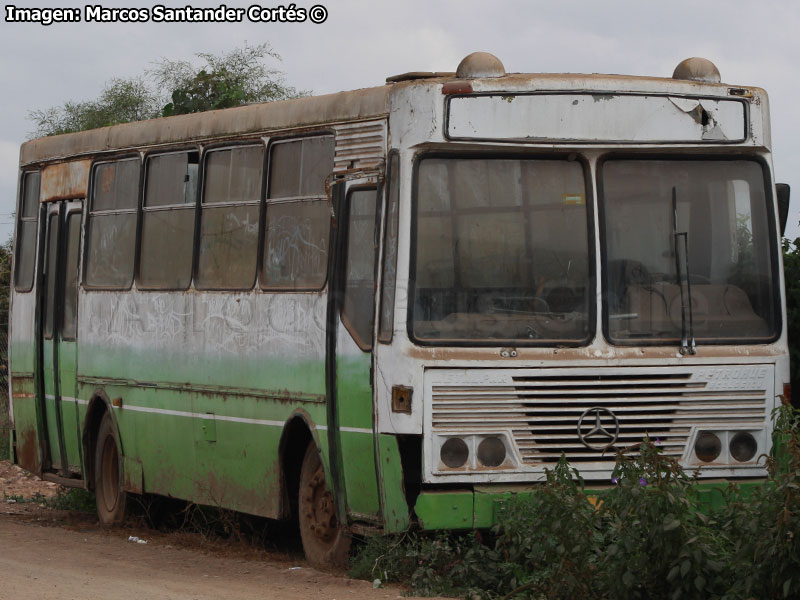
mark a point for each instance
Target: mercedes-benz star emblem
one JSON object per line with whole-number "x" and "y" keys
{"x": 602, "y": 426}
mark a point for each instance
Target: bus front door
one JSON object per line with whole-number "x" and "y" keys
{"x": 351, "y": 323}
{"x": 60, "y": 426}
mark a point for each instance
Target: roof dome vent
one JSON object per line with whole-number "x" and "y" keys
{"x": 480, "y": 64}
{"x": 697, "y": 69}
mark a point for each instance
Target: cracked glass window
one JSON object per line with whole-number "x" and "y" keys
{"x": 298, "y": 215}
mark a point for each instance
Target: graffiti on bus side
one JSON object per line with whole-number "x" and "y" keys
{"x": 222, "y": 323}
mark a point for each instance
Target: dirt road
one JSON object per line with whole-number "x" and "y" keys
{"x": 50, "y": 554}
{"x": 43, "y": 562}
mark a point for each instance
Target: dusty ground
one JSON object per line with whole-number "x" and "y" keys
{"x": 49, "y": 554}
{"x": 16, "y": 483}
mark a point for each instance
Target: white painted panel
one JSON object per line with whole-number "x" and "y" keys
{"x": 596, "y": 118}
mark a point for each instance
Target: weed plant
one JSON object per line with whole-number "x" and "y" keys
{"x": 652, "y": 534}
{"x": 73, "y": 499}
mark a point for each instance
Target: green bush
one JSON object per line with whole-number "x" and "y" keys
{"x": 73, "y": 499}
{"x": 763, "y": 530}
{"x": 652, "y": 535}
{"x": 562, "y": 563}
{"x": 791, "y": 270}
{"x": 656, "y": 540}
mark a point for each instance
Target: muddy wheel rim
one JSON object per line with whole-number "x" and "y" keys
{"x": 110, "y": 473}
{"x": 321, "y": 510}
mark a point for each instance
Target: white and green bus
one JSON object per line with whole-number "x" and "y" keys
{"x": 390, "y": 307}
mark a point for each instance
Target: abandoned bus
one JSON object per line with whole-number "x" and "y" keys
{"x": 388, "y": 307}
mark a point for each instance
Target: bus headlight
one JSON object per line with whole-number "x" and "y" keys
{"x": 708, "y": 446}
{"x": 743, "y": 446}
{"x": 454, "y": 452}
{"x": 491, "y": 452}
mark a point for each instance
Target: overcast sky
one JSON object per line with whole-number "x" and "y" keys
{"x": 362, "y": 42}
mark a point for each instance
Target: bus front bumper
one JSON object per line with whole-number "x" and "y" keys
{"x": 479, "y": 508}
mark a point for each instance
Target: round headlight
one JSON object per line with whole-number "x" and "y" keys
{"x": 707, "y": 447}
{"x": 454, "y": 453}
{"x": 743, "y": 446}
{"x": 492, "y": 452}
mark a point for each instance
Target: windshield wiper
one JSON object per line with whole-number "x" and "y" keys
{"x": 687, "y": 334}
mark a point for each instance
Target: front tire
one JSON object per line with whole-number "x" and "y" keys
{"x": 110, "y": 497}
{"x": 325, "y": 542}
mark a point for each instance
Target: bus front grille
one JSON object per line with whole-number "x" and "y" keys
{"x": 541, "y": 408}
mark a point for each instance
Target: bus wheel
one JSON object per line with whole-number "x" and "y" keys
{"x": 111, "y": 498}
{"x": 325, "y": 541}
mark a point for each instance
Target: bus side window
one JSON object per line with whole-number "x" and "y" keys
{"x": 389, "y": 267}
{"x": 229, "y": 217}
{"x": 165, "y": 255}
{"x": 112, "y": 224}
{"x": 358, "y": 305}
{"x": 25, "y": 253}
{"x": 298, "y": 216}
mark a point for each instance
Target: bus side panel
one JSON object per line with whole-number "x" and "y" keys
{"x": 250, "y": 341}
{"x": 23, "y": 389}
{"x": 22, "y": 342}
{"x": 25, "y": 423}
{"x": 396, "y": 516}
{"x": 238, "y": 463}
{"x": 206, "y": 382}
{"x": 69, "y": 407}
{"x": 354, "y": 406}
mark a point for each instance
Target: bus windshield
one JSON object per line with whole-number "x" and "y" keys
{"x": 502, "y": 252}
{"x": 687, "y": 234}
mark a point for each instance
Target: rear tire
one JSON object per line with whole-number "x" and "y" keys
{"x": 325, "y": 542}
{"x": 111, "y": 499}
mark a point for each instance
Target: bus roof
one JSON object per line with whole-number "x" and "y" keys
{"x": 216, "y": 124}
{"x": 348, "y": 106}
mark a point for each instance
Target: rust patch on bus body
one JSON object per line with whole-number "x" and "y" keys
{"x": 222, "y": 491}
{"x": 65, "y": 181}
{"x": 27, "y": 452}
{"x": 22, "y": 386}
{"x": 540, "y": 356}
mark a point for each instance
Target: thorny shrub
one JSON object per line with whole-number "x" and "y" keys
{"x": 653, "y": 534}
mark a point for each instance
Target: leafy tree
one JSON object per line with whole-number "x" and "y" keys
{"x": 233, "y": 79}
{"x": 174, "y": 87}
{"x": 121, "y": 101}
{"x": 5, "y": 284}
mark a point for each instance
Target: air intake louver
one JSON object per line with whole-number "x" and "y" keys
{"x": 542, "y": 408}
